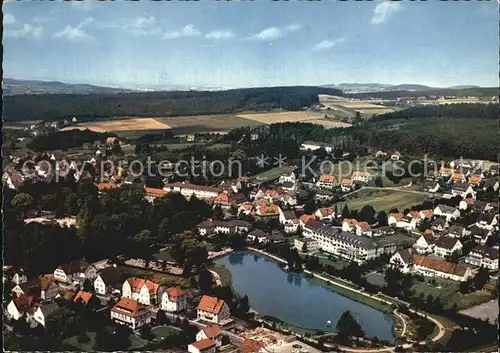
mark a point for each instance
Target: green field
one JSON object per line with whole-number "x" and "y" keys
{"x": 383, "y": 200}
{"x": 448, "y": 293}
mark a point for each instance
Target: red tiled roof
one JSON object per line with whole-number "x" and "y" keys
{"x": 307, "y": 217}
{"x": 351, "y": 221}
{"x": 415, "y": 214}
{"x": 251, "y": 346}
{"x": 327, "y": 179}
{"x": 364, "y": 226}
{"x": 105, "y": 186}
{"x": 155, "y": 192}
{"x": 398, "y": 216}
{"x": 212, "y": 331}
{"x": 175, "y": 292}
{"x": 137, "y": 283}
{"x": 457, "y": 176}
{"x": 203, "y": 344}
{"x": 427, "y": 213}
{"x": 439, "y": 265}
{"x": 85, "y": 297}
{"x": 130, "y": 308}
{"x": 210, "y": 304}
{"x": 346, "y": 181}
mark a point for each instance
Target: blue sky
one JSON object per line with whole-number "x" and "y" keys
{"x": 261, "y": 43}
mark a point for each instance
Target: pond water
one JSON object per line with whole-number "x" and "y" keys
{"x": 296, "y": 299}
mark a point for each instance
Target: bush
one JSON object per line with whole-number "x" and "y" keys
{"x": 82, "y": 337}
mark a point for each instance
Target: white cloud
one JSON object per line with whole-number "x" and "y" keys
{"x": 293, "y": 27}
{"x": 273, "y": 33}
{"x": 143, "y": 26}
{"x": 327, "y": 44}
{"x": 76, "y": 34}
{"x": 270, "y": 33}
{"x": 384, "y": 10}
{"x": 221, "y": 34}
{"x": 188, "y": 31}
{"x": 83, "y": 5}
{"x": 26, "y": 31}
{"x": 8, "y": 19}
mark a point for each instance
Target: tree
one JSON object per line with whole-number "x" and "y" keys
{"x": 145, "y": 332}
{"x": 161, "y": 318}
{"x": 378, "y": 181}
{"x": 205, "y": 281}
{"x": 22, "y": 202}
{"x": 82, "y": 337}
{"x": 367, "y": 214}
{"x": 244, "y": 305}
{"x": 345, "y": 212}
{"x": 304, "y": 247}
{"x": 347, "y": 326}
{"x": 382, "y": 218}
{"x": 481, "y": 278}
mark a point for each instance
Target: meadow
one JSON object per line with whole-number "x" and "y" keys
{"x": 383, "y": 200}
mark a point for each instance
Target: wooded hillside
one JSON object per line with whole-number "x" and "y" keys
{"x": 92, "y": 106}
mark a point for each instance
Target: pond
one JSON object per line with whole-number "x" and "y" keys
{"x": 296, "y": 299}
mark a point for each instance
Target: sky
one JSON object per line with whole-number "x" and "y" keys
{"x": 252, "y": 43}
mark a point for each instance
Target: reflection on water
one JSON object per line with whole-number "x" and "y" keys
{"x": 298, "y": 300}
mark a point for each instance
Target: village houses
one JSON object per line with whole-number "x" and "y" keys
{"x": 173, "y": 300}
{"x": 445, "y": 246}
{"x": 142, "y": 290}
{"x": 131, "y": 313}
{"x": 450, "y": 213}
{"x": 483, "y": 256}
{"x": 213, "y": 310}
{"x": 212, "y": 332}
{"x": 363, "y": 177}
{"x": 440, "y": 268}
{"x": 326, "y": 182}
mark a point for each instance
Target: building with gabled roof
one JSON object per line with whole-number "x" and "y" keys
{"x": 144, "y": 291}
{"x": 445, "y": 246}
{"x": 483, "y": 256}
{"x": 440, "y": 268}
{"x": 213, "y": 310}
{"x": 203, "y": 346}
{"x": 212, "y": 332}
{"x": 131, "y": 313}
{"x": 173, "y": 300}
{"x": 326, "y": 181}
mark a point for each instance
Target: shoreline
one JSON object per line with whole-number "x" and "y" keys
{"x": 346, "y": 291}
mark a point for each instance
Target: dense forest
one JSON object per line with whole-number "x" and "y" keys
{"x": 66, "y": 139}
{"x": 92, "y": 106}
{"x": 456, "y": 111}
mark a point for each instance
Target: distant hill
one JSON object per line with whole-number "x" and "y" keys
{"x": 353, "y": 88}
{"x": 462, "y": 92}
{"x": 154, "y": 104}
{"x": 16, "y": 87}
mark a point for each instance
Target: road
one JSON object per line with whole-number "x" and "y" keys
{"x": 216, "y": 277}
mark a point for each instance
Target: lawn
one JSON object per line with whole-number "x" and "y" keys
{"x": 135, "y": 342}
{"x": 224, "y": 274}
{"x": 163, "y": 279}
{"x": 163, "y": 331}
{"x": 383, "y": 200}
{"x": 448, "y": 293}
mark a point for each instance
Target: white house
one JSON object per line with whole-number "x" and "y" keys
{"x": 43, "y": 311}
{"x": 74, "y": 271}
{"x": 440, "y": 268}
{"x": 396, "y": 156}
{"x": 424, "y": 245}
{"x": 462, "y": 190}
{"x": 363, "y": 177}
{"x": 257, "y": 235}
{"x": 487, "y": 221}
{"x": 326, "y": 182}
{"x": 313, "y": 146}
{"x": 457, "y": 231}
{"x": 20, "y": 306}
{"x": 107, "y": 281}
{"x": 173, "y": 300}
{"x": 483, "y": 256}
{"x": 466, "y": 204}
{"x": 43, "y": 288}
{"x": 346, "y": 185}
{"x": 451, "y": 213}
{"x": 213, "y": 310}
{"x": 325, "y": 213}
{"x": 445, "y": 246}
{"x": 14, "y": 276}
{"x": 309, "y": 243}
{"x": 399, "y": 220}
{"x": 203, "y": 346}
{"x": 131, "y": 313}
{"x": 402, "y": 260}
{"x": 142, "y": 290}
{"x": 187, "y": 190}
{"x": 212, "y": 332}
{"x": 287, "y": 178}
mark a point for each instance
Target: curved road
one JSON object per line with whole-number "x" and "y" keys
{"x": 440, "y": 326}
